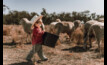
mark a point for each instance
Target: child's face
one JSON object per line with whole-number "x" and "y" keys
{"x": 39, "y": 24}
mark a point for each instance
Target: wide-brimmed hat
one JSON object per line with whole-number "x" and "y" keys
{"x": 39, "y": 17}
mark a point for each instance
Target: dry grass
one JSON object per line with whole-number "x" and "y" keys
{"x": 77, "y": 36}
{"x": 16, "y": 33}
{"x": 6, "y": 29}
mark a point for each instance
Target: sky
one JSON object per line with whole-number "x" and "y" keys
{"x": 58, "y": 6}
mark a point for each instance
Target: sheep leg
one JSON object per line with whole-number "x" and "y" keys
{"x": 99, "y": 48}
{"x": 27, "y": 38}
{"x": 85, "y": 44}
{"x": 99, "y": 44}
{"x": 85, "y": 39}
{"x": 58, "y": 31}
{"x": 70, "y": 37}
{"x": 90, "y": 42}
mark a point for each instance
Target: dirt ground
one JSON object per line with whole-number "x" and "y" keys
{"x": 65, "y": 54}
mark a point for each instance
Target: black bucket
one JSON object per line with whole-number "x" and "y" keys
{"x": 50, "y": 39}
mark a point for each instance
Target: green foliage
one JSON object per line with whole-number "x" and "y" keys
{"x": 14, "y": 17}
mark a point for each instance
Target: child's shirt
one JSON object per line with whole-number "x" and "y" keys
{"x": 37, "y": 36}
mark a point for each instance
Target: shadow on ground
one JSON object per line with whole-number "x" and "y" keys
{"x": 9, "y": 44}
{"x": 96, "y": 50}
{"x": 75, "y": 49}
{"x": 22, "y": 63}
{"x": 12, "y": 44}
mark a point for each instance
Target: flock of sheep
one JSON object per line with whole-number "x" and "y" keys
{"x": 76, "y": 30}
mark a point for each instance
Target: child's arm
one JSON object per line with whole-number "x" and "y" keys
{"x": 37, "y": 33}
{"x": 40, "y": 33}
{"x": 43, "y": 27}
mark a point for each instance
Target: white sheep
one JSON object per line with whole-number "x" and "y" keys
{"x": 98, "y": 30}
{"x": 64, "y": 27}
{"x": 77, "y": 23}
{"x": 87, "y": 26}
{"x": 52, "y": 26}
{"x": 26, "y": 25}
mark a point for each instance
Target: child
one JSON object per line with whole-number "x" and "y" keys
{"x": 37, "y": 40}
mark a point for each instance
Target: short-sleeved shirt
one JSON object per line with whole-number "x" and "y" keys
{"x": 37, "y": 36}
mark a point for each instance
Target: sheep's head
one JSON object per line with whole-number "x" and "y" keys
{"x": 77, "y": 23}
{"x": 23, "y": 20}
{"x": 58, "y": 20}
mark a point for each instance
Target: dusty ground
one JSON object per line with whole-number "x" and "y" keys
{"x": 65, "y": 54}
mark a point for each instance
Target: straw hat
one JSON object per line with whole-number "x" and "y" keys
{"x": 34, "y": 17}
{"x": 39, "y": 17}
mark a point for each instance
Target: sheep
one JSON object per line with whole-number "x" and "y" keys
{"x": 98, "y": 30}
{"x": 64, "y": 27}
{"x": 61, "y": 27}
{"x": 78, "y": 35}
{"x": 78, "y": 32}
{"x": 87, "y": 26}
{"x": 77, "y": 23}
{"x": 26, "y": 25}
{"x": 52, "y": 26}
{"x": 67, "y": 27}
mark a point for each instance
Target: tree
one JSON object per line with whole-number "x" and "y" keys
{"x": 93, "y": 16}
{"x": 5, "y": 7}
{"x": 14, "y": 17}
{"x": 46, "y": 17}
